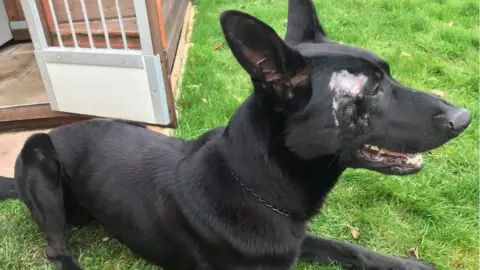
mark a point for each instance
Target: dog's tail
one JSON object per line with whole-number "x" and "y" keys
{"x": 8, "y": 189}
{"x": 37, "y": 152}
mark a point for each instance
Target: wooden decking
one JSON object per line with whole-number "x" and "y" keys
{"x": 23, "y": 100}
{"x": 20, "y": 80}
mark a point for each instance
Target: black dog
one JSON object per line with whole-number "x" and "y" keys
{"x": 239, "y": 197}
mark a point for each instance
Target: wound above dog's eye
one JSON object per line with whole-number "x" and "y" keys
{"x": 345, "y": 83}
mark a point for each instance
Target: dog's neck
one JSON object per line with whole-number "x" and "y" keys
{"x": 256, "y": 153}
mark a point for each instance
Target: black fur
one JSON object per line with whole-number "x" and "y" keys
{"x": 239, "y": 196}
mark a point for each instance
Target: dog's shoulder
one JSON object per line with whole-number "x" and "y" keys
{"x": 97, "y": 123}
{"x": 118, "y": 121}
{"x": 132, "y": 123}
{"x": 206, "y": 137}
{"x": 95, "y": 130}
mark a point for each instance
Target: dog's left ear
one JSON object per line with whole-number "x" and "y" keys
{"x": 262, "y": 53}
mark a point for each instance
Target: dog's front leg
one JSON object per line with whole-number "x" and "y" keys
{"x": 350, "y": 256}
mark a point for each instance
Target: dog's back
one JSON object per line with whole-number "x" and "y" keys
{"x": 123, "y": 150}
{"x": 105, "y": 141}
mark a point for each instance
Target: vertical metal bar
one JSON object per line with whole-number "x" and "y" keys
{"x": 55, "y": 22}
{"x": 143, "y": 26}
{"x": 87, "y": 23}
{"x": 120, "y": 22}
{"x": 70, "y": 22}
{"x": 102, "y": 16}
{"x": 158, "y": 95}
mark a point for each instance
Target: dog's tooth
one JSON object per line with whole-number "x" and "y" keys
{"x": 374, "y": 147}
{"x": 417, "y": 159}
{"x": 381, "y": 151}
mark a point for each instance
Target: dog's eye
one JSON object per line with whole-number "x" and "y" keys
{"x": 375, "y": 89}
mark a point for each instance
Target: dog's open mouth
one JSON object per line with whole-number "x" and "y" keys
{"x": 394, "y": 162}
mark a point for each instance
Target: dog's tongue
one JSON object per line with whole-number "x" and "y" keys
{"x": 395, "y": 154}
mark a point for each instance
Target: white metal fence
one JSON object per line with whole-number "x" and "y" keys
{"x": 67, "y": 70}
{"x": 58, "y": 34}
{"x": 87, "y": 24}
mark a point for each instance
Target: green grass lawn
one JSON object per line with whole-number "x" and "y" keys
{"x": 430, "y": 44}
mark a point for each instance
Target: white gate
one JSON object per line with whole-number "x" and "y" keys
{"x": 5, "y": 33}
{"x": 107, "y": 82}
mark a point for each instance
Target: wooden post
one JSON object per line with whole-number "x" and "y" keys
{"x": 45, "y": 16}
{"x": 158, "y": 33}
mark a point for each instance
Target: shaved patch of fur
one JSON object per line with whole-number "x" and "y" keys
{"x": 345, "y": 84}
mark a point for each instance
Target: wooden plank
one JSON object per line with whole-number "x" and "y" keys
{"x": 13, "y": 48}
{"x": 183, "y": 46}
{"x": 48, "y": 15}
{"x": 167, "y": 8}
{"x": 30, "y": 112}
{"x": 21, "y": 34}
{"x": 41, "y": 123}
{"x": 155, "y": 32}
{"x": 155, "y": 26}
{"x": 20, "y": 79}
{"x": 12, "y": 11}
{"x": 43, "y": 18}
{"x": 173, "y": 28}
{"x": 172, "y": 17}
{"x": 161, "y": 22}
{"x": 21, "y": 15}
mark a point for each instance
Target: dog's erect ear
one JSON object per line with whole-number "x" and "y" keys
{"x": 303, "y": 24}
{"x": 259, "y": 50}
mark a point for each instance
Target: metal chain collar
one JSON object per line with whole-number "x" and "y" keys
{"x": 255, "y": 194}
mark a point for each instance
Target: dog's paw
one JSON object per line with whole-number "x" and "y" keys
{"x": 67, "y": 263}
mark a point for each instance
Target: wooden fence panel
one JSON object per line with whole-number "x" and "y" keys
{"x": 14, "y": 10}
{"x": 174, "y": 14}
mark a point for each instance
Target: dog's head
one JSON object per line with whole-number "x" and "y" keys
{"x": 336, "y": 99}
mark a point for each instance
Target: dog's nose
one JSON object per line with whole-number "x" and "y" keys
{"x": 458, "y": 120}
